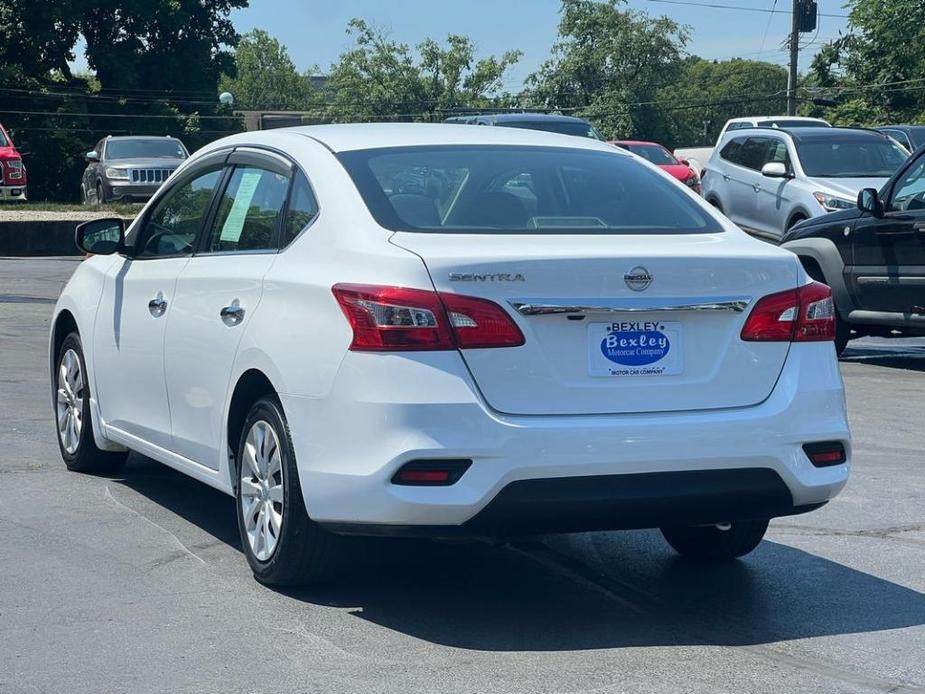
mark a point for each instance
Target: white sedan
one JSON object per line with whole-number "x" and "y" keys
{"x": 445, "y": 331}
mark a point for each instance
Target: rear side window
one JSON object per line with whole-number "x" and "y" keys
{"x": 249, "y": 211}
{"x": 731, "y": 151}
{"x": 302, "y": 208}
{"x": 511, "y": 189}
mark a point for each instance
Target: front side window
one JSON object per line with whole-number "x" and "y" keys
{"x": 777, "y": 154}
{"x": 248, "y": 211}
{"x": 850, "y": 157}
{"x": 909, "y": 191}
{"x": 515, "y": 189}
{"x": 754, "y": 152}
{"x": 174, "y": 223}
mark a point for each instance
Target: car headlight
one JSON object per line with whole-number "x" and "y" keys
{"x": 112, "y": 172}
{"x": 832, "y": 203}
{"x": 15, "y": 168}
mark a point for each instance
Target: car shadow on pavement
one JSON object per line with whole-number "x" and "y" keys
{"x": 911, "y": 358}
{"x": 590, "y": 591}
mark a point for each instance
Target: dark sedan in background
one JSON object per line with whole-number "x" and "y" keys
{"x": 909, "y": 136}
{"x": 129, "y": 169}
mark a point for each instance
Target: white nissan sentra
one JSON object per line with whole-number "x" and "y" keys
{"x": 442, "y": 331}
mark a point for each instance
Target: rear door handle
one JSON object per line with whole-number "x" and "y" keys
{"x": 158, "y": 305}
{"x": 726, "y": 177}
{"x": 757, "y": 188}
{"x": 232, "y": 315}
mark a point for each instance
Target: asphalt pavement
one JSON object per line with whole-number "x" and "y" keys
{"x": 136, "y": 583}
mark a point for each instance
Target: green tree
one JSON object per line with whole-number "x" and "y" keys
{"x": 382, "y": 78}
{"x": 712, "y": 92}
{"x": 266, "y": 76}
{"x": 37, "y": 37}
{"x": 877, "y": 68}
{"x": 609, "y": 65}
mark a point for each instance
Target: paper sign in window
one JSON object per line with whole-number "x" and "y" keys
{"x": 234, "y": 223}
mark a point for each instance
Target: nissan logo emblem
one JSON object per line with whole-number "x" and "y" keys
{"x": 638, "y": 279}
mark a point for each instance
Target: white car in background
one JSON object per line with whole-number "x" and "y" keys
{"x": 450, "y": 331}
{"x": 697, "y": 157}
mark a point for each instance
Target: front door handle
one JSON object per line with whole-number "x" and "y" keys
{"x": 158, "y": 305}
{"x": 232, "y": 315}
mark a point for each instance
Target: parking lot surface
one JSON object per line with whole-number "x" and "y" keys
{"x": 136, "y": 583}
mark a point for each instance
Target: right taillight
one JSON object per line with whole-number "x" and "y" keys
{"x": 394, "y": 319}
{"x": 805, "y": 314}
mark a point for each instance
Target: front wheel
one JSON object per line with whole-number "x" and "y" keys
{"x": 72, "y": 413}
{"x": 282, "y": 544}
{"x": 711, "y": 542}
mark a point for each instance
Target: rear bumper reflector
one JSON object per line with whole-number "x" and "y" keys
{"x": 431, "y": 473}
{"x": 825, "y": 453}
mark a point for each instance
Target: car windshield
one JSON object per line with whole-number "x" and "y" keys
{"x": 516, "y": 189}
{"x": 850, "y": 157}
{"x": 655, "y": 154}
{"x": 145, "y": 149}
{"x": 563, "y": 127}
{"x": 784, "y": 123}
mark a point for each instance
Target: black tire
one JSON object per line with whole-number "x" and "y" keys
{"x": 710, "y": 543}
{"x": 99, "y": 194}
{"x": 86, "y": 457}
{"x": 715, "y": 203}
{"x": 796, "y": 219}
{"x": 304, "y": 552}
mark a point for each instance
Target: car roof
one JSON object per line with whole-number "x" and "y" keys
{"x": 809, "y": 134}
{"x": 749, "y": 119}
{"x": 355, "y": 136}
{"x": 141, "y": 137}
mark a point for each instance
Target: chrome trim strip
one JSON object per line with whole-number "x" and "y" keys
{"x": 542, "y": 307}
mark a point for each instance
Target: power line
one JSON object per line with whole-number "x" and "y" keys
{"x": 718, "y": 6}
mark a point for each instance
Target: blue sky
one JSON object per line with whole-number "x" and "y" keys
{"x": 314, "y": 32}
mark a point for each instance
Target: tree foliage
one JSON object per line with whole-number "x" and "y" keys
{"x": 609, "y": 65}
{"x": 877, "y": 70}
{"x": 383, "y": 78}
{"x": 266, "y": 77}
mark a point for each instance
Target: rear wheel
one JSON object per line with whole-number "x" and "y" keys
{"x": 99, "y": 194}
{"x": 72, "y": 414}
{"x": 282, "y": 544}
{"x": 710, "y": 542}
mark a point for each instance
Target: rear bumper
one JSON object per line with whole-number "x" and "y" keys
{"x": 11, "y": 192}
{"x": 615, "y": 502}
{"x": 557, "y": 473}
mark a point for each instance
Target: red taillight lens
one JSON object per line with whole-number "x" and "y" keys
{"x": 805, "y": 314}
{"x": 480, "y": 323}
{"x": 393, "y": 319}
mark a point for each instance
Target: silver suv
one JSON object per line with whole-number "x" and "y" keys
{"x": 129, "y": 169}
{"x": 768, "y": 179}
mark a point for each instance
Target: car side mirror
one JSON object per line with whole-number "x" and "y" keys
{"x": 869, "y": 201}
{"x": 92, "y": 156}
{"x": 775, "y": 169}
{"x": 101, "y": 236}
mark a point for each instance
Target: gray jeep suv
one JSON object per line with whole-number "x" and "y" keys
{"x": 129, "y": 169}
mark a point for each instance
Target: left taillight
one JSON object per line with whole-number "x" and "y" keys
{"x": 394, "y": 319}
{"x": 805, "y": 314}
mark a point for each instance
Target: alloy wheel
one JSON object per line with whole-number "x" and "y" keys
{"x": 262, "y": 489}
{"x": 70, "y": 401}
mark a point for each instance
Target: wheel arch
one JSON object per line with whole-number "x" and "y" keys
{"x": 792, "y": 219}
{"x": 825, "y": 256}
{"x": 250, "y": 385}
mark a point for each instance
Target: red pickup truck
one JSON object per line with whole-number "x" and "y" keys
{"x": 12, "y": 171}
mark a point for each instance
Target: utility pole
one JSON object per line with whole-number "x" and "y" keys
{"x": 794, "y": 57}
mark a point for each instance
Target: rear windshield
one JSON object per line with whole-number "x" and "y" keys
{"x": 856, "y": 157}
{"x": 145, "y": 149}
{"x": 563, "y": 127}
{"x": 530, "y": 190}
{"x": 653, "y": 153}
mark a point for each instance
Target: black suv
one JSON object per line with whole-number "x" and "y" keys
{"x": 873, "y": 257}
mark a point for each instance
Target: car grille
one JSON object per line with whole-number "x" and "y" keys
{"x": 149, "y": 175}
